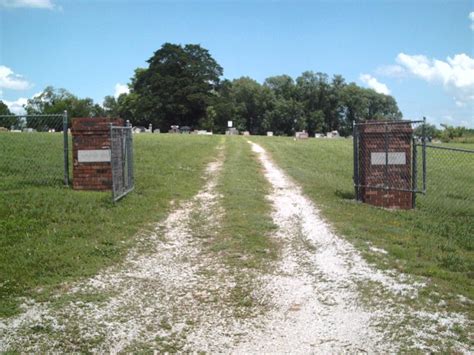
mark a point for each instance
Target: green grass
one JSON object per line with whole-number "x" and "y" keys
{"x": 245, "y": 229}
{"x": 243, "y": 241}
{"x": 50, "y": 234}
{"x": 435, "y": 240}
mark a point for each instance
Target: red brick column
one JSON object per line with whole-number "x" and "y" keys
{"x": 91, "y": 153}
{"x": 375, "y": 140}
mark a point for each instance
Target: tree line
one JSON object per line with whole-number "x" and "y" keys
{"x": 447, "y": 133}
{"x": 183, "y": 85}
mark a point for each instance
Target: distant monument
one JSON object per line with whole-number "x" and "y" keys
{"x": 232, "y": 132}
{"x": 333, "y": 134}
{"x": 174, "y": 129}
{"x": 302, "y": 135}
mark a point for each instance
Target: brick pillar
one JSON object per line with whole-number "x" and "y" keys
{"x": 375, "y": 141}
{"x": 91, "y": 153}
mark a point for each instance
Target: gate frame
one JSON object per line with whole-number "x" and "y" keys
{"x": 127, "y": 141}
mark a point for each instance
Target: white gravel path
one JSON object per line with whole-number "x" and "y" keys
{"x": 316, "y": 290}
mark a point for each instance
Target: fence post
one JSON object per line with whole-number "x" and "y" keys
{"x": 423, "y": 152}
{"x": 356, "y": 160}
{"x": 111, "y": 134}
{"x": 386, "y": 157}
{"x": 130, "y": 155}
{"x": 66, "y": 149}
{"x": 414, "y": 177}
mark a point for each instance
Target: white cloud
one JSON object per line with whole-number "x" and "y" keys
{"x": 395, "y": 71}
{"x": 16, "y": 106}
{"x": 471, "y": 17}
{"x": 455, "y": 74}
{"x": 459, "y": 103}
{"x": 121, "y": 89}
{"x": 10, "y": 80}
{"x": 37, "y": 4}
{"x": 373, "y": 83}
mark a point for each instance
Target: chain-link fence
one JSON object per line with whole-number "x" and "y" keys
{"x": 448, "y": 181}
{"x": 34, "y": 150}
{"x": 121, "y": 144}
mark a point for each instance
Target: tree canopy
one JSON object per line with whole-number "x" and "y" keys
{"x": 4, "y": 110}
{"x": 56, "y": 101}
{"x": 7, "y": 122}
{"x": 177, "y": 87}
{"x": 183, "y": 85}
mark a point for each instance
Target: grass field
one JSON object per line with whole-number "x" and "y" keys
{"x": 50, "y": 234}
{"x": 435, "y": 240}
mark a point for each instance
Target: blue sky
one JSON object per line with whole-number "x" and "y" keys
{"x": 421, "y": 52}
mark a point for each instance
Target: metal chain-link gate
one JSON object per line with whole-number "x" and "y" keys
{"x": 34, "y": 150}
{"x": 121, "y": 145}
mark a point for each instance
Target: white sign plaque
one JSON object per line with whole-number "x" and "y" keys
{"x": 394, "y": 158}
{"x": 93, "y": 156}
{"x": 229, "y": 124}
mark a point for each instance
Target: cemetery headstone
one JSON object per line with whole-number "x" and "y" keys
{"x": 232, "y": 132}
{"x": 301, "y": 135}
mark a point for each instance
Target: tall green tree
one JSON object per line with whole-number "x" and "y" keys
{"x": 360, "y": 104}
{"x": 111, "y": 107}
{"x": 56, "y": 101}
{"x": 4, "y": 110}
{"x": 283, "y": 86}
{"x": 223, "y": 105}
{"x": 126, "y": 107}
{"x": 252, "y": 100}
{"x": 313, "y": 91}
{"x": 177, "y": 87}
{"x": 285, "y": 118}
{"x": 8, "y": 122}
